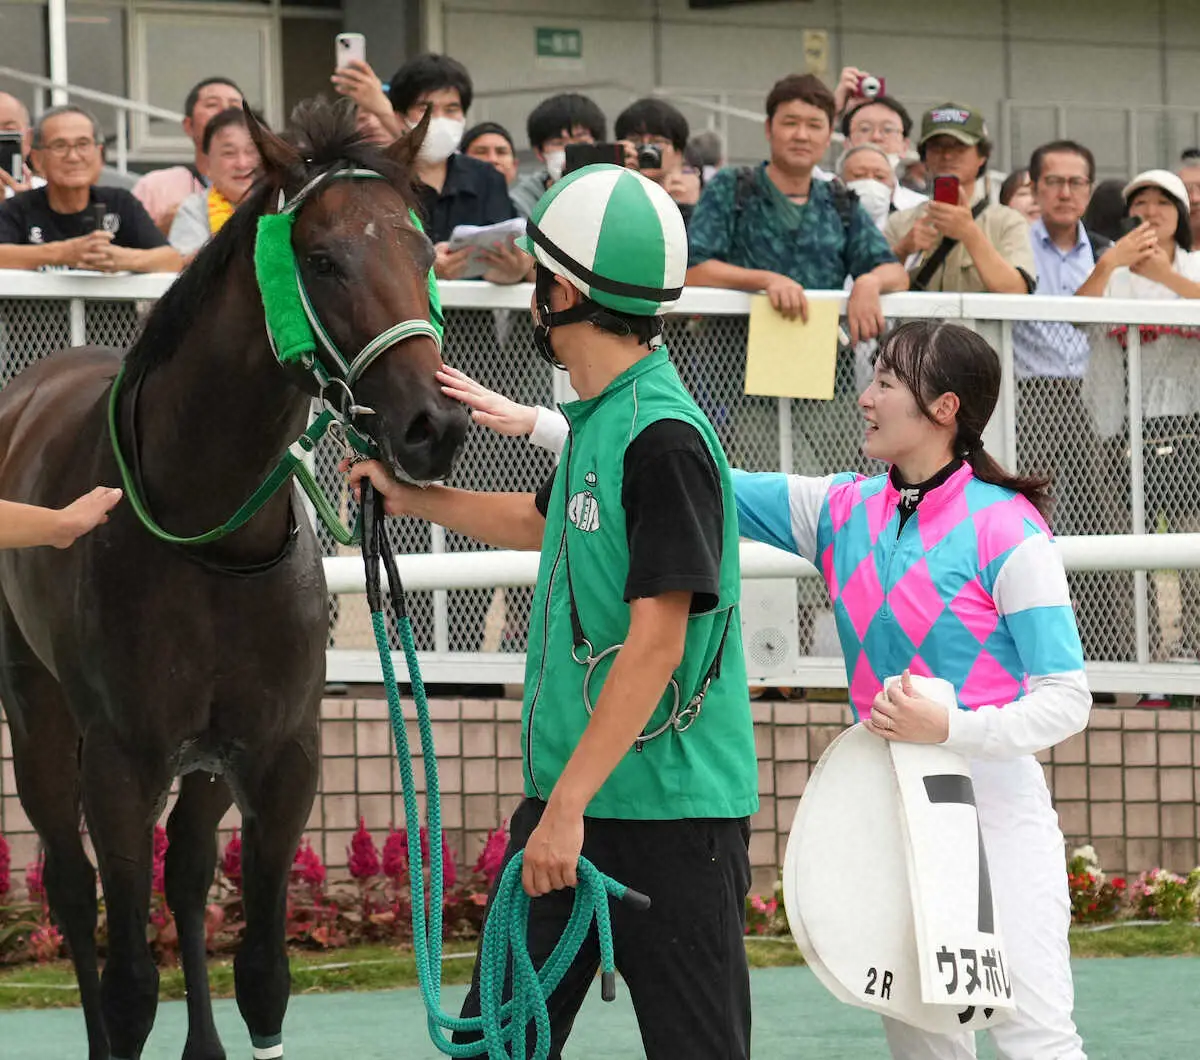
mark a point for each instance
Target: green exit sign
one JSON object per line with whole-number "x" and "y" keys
{"x": 554, "y": 43}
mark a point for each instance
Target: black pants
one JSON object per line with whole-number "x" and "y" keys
{"x": 683, "y": 960}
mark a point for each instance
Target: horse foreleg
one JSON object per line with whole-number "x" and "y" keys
{"x": 191, "y": 861}
{"x": 276, "y": 798}
{"x": 121, "y": 797}
{"x": 45, "y": 761}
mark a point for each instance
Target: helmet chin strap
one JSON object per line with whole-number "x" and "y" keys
{"x": 584, "y": 312}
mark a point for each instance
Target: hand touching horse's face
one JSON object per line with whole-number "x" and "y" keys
{"x": 365, "y": 267}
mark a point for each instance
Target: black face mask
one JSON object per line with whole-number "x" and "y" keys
{"x": 646, "y": 329}
{"x": 541, "y": 336}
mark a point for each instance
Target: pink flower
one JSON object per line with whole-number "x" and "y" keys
{"x": 395, "y": 855}
{"x": 5, "y": 867}
{"x": 33, "y": 879}
{"x": 231, "y": 861}
{"x": 307, "y": 866}
{"x": 364, "y": 857}
{"x": 158, "y": 877}
{"x": 491, "y": 858}
{"x": 45, "y": 942}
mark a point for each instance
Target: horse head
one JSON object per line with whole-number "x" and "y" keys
{"x": 364, "y": 266}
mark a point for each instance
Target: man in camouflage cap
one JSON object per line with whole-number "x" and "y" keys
{"x": 971, "y": 245}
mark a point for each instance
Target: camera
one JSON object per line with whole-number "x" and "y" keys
{"x": 649, "y": 156}
{"x": 870, "y": 86}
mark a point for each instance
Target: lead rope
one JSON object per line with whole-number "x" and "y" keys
{"x": 502, "y": 1025}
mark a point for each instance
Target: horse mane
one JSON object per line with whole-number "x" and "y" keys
{"x": 325, "y": 135}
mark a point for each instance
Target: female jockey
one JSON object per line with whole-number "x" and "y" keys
{"x": 943, "y": 566}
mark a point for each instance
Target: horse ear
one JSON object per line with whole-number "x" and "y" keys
{"x": 404, "y": 150}
{"x": 277, "y": 154}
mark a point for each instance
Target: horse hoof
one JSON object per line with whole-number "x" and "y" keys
{"x": 204, "y": 1051}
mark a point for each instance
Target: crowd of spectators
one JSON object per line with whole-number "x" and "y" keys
{"x": 852, "y": 192}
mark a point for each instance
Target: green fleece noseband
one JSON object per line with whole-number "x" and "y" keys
{"x": 275, "y": 267}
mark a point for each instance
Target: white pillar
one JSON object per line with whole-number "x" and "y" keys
{"x": 56, "y": 14}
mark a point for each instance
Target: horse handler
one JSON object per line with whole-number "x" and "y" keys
{"x": 637, "y": 738}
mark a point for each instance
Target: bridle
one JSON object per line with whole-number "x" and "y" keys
{"x": 317, "y": 352}
{"x": 298, "y": 339}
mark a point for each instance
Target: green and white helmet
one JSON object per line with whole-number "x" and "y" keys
{"x": 616, "y": 236}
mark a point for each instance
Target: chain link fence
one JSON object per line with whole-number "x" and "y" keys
{"x": 1072, "y": 425}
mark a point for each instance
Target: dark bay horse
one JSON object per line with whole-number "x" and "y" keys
{"x": 125, "y": 661}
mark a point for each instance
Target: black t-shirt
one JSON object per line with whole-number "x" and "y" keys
{"x": 28, "y": 219}
{"x": 474, "y": 194}
{"x": 674, "y": 514}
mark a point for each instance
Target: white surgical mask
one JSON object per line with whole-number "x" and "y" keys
{"x": 895, "y": 161}
{"x": 556, "y": 162}
{"x": 875, "y": 196}
{"x": 441, "y": 139}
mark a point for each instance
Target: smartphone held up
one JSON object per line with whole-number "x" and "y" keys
{"x": 946, "y": 189}
{"x": 348, "y": 48}
{"x": 580, "y": 155}
{"x": 11, "y": 158}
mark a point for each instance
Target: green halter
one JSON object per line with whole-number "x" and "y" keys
{"x": 294, "y": 329}
{"x": 292, "y": 323}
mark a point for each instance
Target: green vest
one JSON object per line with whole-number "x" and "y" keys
{"x": 707, "y": 769}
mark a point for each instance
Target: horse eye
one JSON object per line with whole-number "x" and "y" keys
{"x": 323, "y": 265}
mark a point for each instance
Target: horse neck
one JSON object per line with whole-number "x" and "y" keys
{"x": 215, "y": 418}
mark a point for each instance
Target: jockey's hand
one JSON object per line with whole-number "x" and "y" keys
{"x": 488, "y": 408}
{"x": 901, "y": 713}
{"x": 396, "y": 495}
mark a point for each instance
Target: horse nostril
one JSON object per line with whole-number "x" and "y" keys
{"x": 421, "y": 431}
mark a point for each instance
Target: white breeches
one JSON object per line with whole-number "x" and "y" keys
{"x": 1029, "y": 881}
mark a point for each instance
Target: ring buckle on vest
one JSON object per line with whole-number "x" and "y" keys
{"x": 592, "y": 661}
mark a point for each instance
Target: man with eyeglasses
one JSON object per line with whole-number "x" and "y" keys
{"x": 1189, "y": 173}
{"x": 883, "y": 122}
{"x": 71, "y": 223}
{"x": 974, "y": 245}
{"x": 1056, "y": 435}
{"x": 653, "y": 123}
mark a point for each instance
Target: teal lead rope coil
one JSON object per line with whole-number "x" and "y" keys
{"x": 501, "y": 1025}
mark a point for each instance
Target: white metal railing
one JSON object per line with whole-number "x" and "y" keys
{"x": 994, "y": 315}
{"x": 123, "y": 107}
{"x": 507, "y": 569}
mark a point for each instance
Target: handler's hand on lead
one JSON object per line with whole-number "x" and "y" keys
{"x": 488, "y": 408}
{"x": 901, "y": 713}
{"x": 552, "y": 853}
{"x": 381, "y": 478}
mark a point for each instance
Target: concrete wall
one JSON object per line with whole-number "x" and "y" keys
{"x": 1128, "y": 785}
{"x": 1083, "y": 51}
{"x": 1099, "y": 57}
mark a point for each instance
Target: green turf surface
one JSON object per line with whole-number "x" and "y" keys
{"x": 1140, "y": 1007}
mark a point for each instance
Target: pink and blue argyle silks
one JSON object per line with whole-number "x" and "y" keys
{"x": 922, "y": 598}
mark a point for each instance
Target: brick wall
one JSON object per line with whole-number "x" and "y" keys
{"x": 1128, "y": 785}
